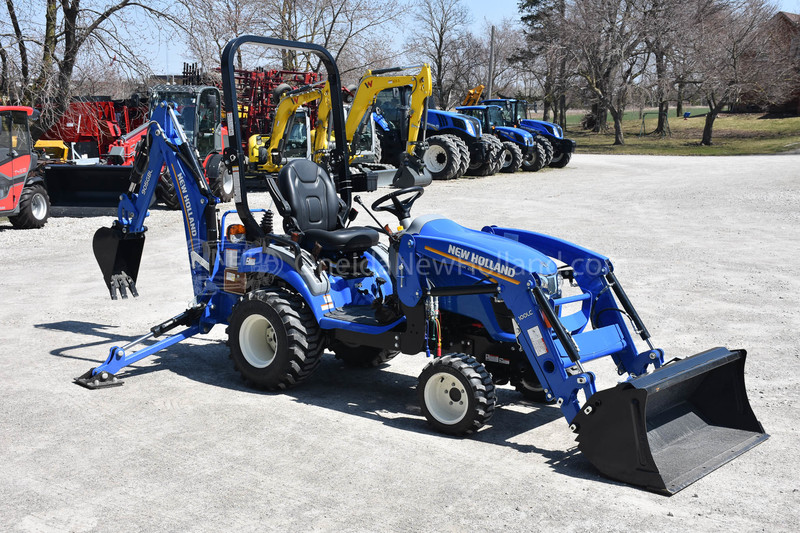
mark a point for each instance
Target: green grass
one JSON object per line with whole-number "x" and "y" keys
{"x": 734, "y": 134}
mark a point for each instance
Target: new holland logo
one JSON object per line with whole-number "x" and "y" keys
{"x": 482, "y": 261}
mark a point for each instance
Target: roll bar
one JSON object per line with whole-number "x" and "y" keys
{"x": 235, "y": 153}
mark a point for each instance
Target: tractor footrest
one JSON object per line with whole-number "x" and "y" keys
{"x": 597, "y": 343}
{"x": 100, "y": 380}
{"x": 358, "y": 314}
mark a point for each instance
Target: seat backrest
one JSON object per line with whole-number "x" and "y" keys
{"x": 311, "y": 195}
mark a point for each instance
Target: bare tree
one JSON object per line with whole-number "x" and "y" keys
{"x": 49, "y": 50}
{"x": 441, "y": 27}
{"x": 731, "y": 56}
{"x": 606, "y": 40}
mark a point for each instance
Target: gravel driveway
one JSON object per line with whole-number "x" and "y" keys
{"x": 708, "y": 250}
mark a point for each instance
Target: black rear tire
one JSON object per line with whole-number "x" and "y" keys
{"x": 490, "y": 162}
{"x": 456, "y": 394}
{"x": 560, "y": 160}
{"x": 166, "y": 193}
{"x": 511, "y": 158}
{"x": 34, "y": 208}
{"x": 442, "y": 158}
{"x": 274, "y": 339}
{"x": 464, "y": 150}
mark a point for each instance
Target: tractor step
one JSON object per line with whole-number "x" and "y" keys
{"x": 100, "y": 380}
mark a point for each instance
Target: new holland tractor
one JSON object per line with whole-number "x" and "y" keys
{"x": 518, "y": 145}
{"x": 558, "y": 149}
{"x": 489, "y": 306}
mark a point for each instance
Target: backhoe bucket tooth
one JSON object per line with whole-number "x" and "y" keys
{"x": 667, "y": 429}
{"x": 118, "y": 255}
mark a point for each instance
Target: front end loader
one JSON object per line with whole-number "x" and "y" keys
{"x": 489, "y": 307}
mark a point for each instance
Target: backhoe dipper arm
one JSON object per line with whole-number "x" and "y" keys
{"x": 235, "y": 155}
{"x": 118, "y": 249}
{"x": 372, "y": 84}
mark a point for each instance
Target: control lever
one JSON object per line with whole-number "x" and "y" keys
{"x": 385, "y": 228}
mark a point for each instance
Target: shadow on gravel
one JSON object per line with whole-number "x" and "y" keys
{"x": 377, "y": 394}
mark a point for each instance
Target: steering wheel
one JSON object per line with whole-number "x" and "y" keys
{"x": 399, "y": 208}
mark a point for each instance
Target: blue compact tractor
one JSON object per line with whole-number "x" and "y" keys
{"x": 558, "y": 149}
{"x": 479, "y": 308}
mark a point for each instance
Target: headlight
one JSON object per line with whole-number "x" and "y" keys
{"x": 552, "y": 284}
{"x": 469, "y": 127}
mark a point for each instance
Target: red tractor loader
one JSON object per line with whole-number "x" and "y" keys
{"x": 23, "y": 197}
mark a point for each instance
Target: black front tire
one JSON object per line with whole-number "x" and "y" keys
{"x": 560, "y": 160}
{"x": 456, "y": 394}
{"x": 548, "y": 149}
{"x": 534, "y": 158}
{"x": 511, "y": 158}
{"x": 34, "y": 208}
{"x": 274, "y": 339}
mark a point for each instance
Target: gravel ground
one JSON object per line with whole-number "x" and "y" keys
{"x": 708, "y": 250}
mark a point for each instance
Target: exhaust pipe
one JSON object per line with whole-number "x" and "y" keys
{"x": 667, "y": 429}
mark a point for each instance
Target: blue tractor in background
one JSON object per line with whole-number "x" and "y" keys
{"x": 518, "y": 145}
{"x": 489, "y": 307}
{"x": 446, "y": 130}
{"x": 558, "y": 149}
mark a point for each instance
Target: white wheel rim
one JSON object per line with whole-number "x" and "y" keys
{"x": 435, "y": 158}
{"x": 446, "y": 398}
{"x": 507, "y": 158}
{"x": 38, "y": 206}
{"x": 227, "y": 180}
{"x": 257, "y": 341}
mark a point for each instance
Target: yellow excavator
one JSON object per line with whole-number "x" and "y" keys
{"x": 289, "y": 137}
{"x": 400, "y": 140}
{"x": 473, "y": 96}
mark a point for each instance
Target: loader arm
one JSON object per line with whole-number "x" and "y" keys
{"x": 473, "y": 96}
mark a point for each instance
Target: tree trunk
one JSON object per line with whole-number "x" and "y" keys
{"x": 679, "y": 105}
{"x": 661, "y": 80}
{"x": 616, "y": 114}
{"x": 708, "y": 128}
{"x": 562, "y": 111}
{"x": 601, "y": 123}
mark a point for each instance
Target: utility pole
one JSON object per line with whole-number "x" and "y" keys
{"x": 491, "y": 62}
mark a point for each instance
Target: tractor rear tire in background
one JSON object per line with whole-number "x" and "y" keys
{"x": 363, "y": 356}
{"x": 498, "y": 153}
{"x": 464, "y": 149}
{"x": 487, "y": 167}
{"x": 274, "y": 339}
{"x": 166, "y": 193}
{"x": 279, "y": 91}
{"x": 34, "y": 208}
{"x": 548, "y": 149}
{"x": 456, "y": 394}
{"x": 530, "y": 387}
{"x": 442, "y": 158}
{"x": 560, "y": 160}
{"x": 219, "y": 178}
{"x": 534, "y": 158}
{"x": 511, "y": 158}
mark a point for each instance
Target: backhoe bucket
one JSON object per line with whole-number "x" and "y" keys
{"x": 118, "y": 254}
{"x": 665, "y": 430}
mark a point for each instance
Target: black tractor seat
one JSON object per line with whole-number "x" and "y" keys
{"x": 306, "y": 198}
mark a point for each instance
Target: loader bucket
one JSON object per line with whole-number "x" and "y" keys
{"x": 667, "y": 429}
{"x": 118, "y": 254}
